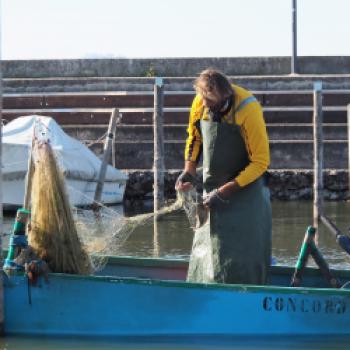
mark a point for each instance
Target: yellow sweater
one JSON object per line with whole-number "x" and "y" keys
{"x": 253, "y": 130}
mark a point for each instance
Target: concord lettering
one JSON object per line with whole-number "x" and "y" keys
{"x": 306, "y": 305}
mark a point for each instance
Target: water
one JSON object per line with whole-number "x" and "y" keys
{"x": 290, "y": 220}
{"x": 173, "y": 239}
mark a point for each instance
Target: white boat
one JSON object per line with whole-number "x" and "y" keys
{"x": 80, "y": 166}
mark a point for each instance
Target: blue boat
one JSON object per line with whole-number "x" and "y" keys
{"x": 145, "y": 296}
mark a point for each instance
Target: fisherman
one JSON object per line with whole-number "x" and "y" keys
{"x": 226, "y": 124}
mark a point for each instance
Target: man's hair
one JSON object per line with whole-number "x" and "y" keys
{"x": 213, "y": 84}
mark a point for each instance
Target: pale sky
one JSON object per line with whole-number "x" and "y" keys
{"x": 55, "y": 29}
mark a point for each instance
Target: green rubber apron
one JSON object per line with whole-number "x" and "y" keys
{"x": 234, "y": 246}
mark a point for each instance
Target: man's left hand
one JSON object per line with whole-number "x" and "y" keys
{"x": 213, "y": 199}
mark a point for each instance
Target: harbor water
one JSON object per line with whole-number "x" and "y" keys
{"x": 173, "y": 239}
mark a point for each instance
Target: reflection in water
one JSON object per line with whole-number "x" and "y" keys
{"x": 155, "y": 237}
{"x": 290, "y": 221}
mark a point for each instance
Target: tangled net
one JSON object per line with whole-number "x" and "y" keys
{"x": 53, "y": 235}
{"x": 80, "y": 243}
{"x": 104, "y": 234}
{"x": 192, "y": 203}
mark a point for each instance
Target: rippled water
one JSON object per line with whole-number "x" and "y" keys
{"x": 290, "y": 220}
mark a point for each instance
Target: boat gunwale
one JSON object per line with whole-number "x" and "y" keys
{"x": 200, "y": 286}
{"x": 161, "y": 262}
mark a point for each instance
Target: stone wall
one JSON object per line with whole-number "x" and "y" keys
{"x": 284, "y": 185}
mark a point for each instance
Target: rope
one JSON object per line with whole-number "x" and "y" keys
{"x": 89, "y": 144}
{"x": 345, "y": 285}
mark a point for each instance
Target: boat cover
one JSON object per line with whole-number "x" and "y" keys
{"x": 74, "y": 158}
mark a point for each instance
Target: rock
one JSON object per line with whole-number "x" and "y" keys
{"x": 284, "y": 185}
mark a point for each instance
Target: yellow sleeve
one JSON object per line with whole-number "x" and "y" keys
{"x": 193, "y": 148}
{"x": 254, "y": 133}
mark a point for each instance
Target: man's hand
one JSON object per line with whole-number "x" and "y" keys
{"x": 214, "y": 200}
{"x": 185, "y": 181}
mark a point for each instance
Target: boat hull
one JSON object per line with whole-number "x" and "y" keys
{"x": 120, "y": 306}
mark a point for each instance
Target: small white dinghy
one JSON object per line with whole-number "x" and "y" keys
{"x": 80, "y": 166}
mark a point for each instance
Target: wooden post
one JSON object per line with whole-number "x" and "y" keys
{"x": 348, "y": 149}
{"x": 115, "y": 118}
{"x": 158, "y": 139}
{"x": 113, "y": 147}
{"x": 318, "y": 154}
{"x": 29, "y": 176}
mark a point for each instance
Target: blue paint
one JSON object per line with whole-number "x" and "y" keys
{"x": 115, "y": 306}
{"x": 245, "y": 102}
{"x": 18, "y": 240}
{"x": 158, "y": 81}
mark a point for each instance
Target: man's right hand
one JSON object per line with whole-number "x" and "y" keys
{"x": 185, "y": 181}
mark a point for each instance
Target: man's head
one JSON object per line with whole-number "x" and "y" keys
{"x": 214, "y": 88}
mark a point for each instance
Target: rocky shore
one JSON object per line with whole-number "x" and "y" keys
{"x": 284, "y": 185}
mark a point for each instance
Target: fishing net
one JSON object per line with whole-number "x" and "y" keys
{"x": 79, "y": 241}
{"x": 192, "y": 203}
{"x": 104, "y": 233}
{"x": 70, "y": 240}
{"x": 53, "y": 234}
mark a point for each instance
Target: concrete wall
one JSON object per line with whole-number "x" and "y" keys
{"x": 69, "y": 84}
{"x": 172, "y": 67}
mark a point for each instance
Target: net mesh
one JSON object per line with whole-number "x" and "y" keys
{"x": 191, "y": 202}
{"x": 104, "y": 234}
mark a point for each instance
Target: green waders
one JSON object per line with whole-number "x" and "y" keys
{"x": 234, "y": 246}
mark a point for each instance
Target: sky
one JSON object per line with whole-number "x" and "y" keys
{"x": 57, "y": 29}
